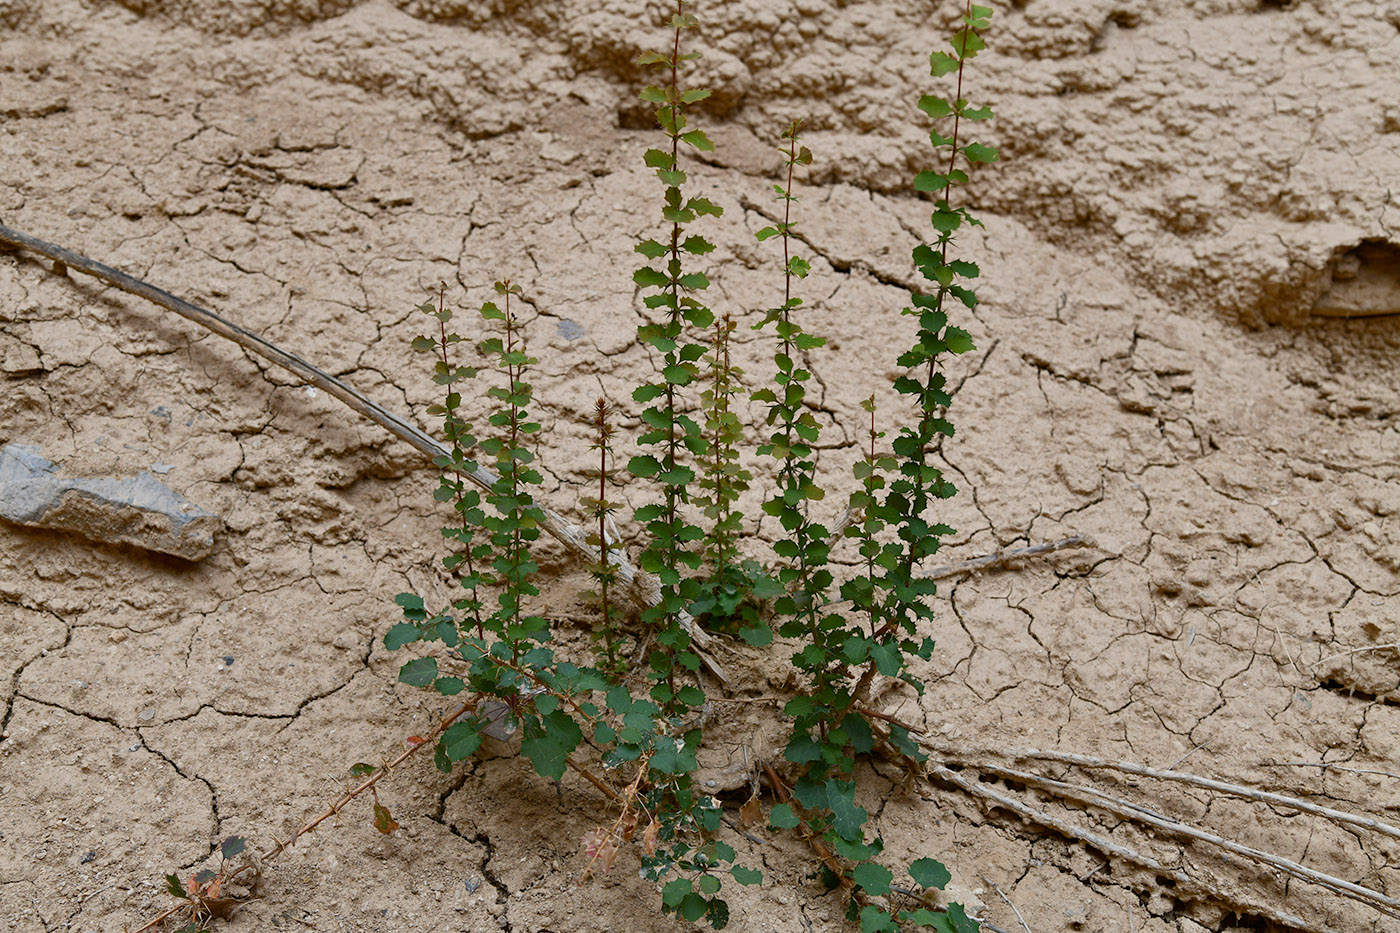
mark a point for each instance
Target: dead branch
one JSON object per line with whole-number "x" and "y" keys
{"x": 1126, "y": 767}
{"x": 643, "y": 589}
{"x": 1141, "y": 814}
{"x": 1104, "y": 845}
{"x": 333, "y": 808}
{"x": 999, "y": 558}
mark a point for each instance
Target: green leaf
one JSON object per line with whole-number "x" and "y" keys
{"x": 930, "y": 873}
{"x": 958, "y": 340}
{"x": 873, "y": 877}
{"x": 424, "y": 344}
{"x": 930, "y": 181}
{"x": 875, "y": 920}
{"x": 675, "y": 891}
{"x": 653, "y": 95}
{"x": 846, "y": 818}
{"x": 650, "y": 249}
{"x": 399, "y": 635}
{"x": 697, "y": 245}
{"x": 412, "y": 606}
{"x": 746, "y": 876}
{"x": 362, "y": 769}
{"x": 941, "y": 63}
{"x": 698, "y": 139}
{"x": 449, "y": 686}
{"x": 460, "y": 741}
{"x": 648, "y": 277}
{"x": 693, "y": 907}
{"x": 643, "y": 465}
{"x": 173, "y": 886}
{"x": 709, "y": 884}
{"x": 962, "y": 923}
{"x": 935, "y": 106}
{"x": 782, "y": 817}
{"x": 694, "y": 94}
{"x": 888, "y": 659}
{"x": 551, "y": 743}
{"x": 802, "y": 748}
{"x": 757, "y": 635}
{"x": 231, "y": 846}
{"x": 418, "y": 673}
{"x": 976, "y": 152}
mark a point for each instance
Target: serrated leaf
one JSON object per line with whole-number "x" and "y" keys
{"x": 648, "y": 277}
{"x": 698, "y": 139}
{"x": 650, "y": 249}
{"x": 958, "y": 340}
{"x": 697, "y": 245}
{"x": 362, "y": 769}
{"x": 694, "y": 94}
{"x": 424, "y": 344}
{"x": 460, "y": 741}
{"x": 941, "y": 63}
{"x": 782, "y": 817}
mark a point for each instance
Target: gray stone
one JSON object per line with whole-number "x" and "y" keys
{"x": 140, "y": 510}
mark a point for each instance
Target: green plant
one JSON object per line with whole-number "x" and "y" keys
{"x": 608, "y": 630}
{"x": 732, "y": 597}
{"x": 639, "y": 750}
{"x": 840, "y": 653}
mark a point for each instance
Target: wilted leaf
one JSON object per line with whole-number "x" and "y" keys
{"x": 382, "y": 820}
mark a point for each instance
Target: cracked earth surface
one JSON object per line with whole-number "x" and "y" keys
{"x": 1184, "y": 184}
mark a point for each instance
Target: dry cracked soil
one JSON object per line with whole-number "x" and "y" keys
{"x": 1186, "y": 349}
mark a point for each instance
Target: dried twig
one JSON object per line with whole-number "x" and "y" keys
{"x": 998, "y": 558}
{"x": 1141, "y": 814}
{"x": 333, "y": 808}
{"x": 1126, "y": 767}
{"x": 642, "y": 588}
{"x": 1024, "y": 925}
{"x": 1104, "y": 845}
{"x": 1328, "y": 764}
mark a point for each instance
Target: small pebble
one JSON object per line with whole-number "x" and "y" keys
{"x": 228, "y": 658}
{"x": 147, "y": 714}
{"x": 87, "y": 858}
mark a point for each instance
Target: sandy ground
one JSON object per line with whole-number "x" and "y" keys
{"x": 1195, "y": 197}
